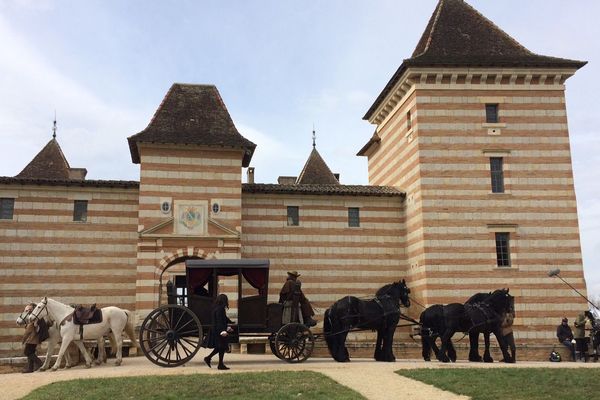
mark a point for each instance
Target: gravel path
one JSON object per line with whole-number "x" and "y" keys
{"x": 372, "y": 379}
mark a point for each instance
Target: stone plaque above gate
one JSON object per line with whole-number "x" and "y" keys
{"x": 191, "y": 217}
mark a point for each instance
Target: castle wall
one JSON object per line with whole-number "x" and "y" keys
{"x": 459, "y": 214}
{"x": 335, "y": 260}
{"x": 184, "y": 176}
{"x": 43, "y": 252}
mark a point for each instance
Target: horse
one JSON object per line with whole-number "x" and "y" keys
{"x": 485, "y": 329}
{"x": 484, "y": 314}
{"x": 381, "y": 314}
{"x": 114, "y": 319}
{"x": 54, "y": 338}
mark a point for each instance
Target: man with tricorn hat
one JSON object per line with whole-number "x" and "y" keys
{"x": 291, "y": 287}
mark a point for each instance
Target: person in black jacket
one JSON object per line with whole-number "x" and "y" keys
{"x": 218, "y": 335}
{"x": 565, "y": 336}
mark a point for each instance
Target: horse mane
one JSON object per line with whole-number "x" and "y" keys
{"x": 382, "y": 291}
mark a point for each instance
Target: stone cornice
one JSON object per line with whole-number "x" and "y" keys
{"x": 469, "y": 79}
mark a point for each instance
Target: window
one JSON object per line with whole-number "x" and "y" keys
{"x": 491, "y": 113}
{"x": 408, "y": 120}
{"x": 497, "y": 174}
{"x": 7, "y": 207}
{"x": 353, "y": 217}
{"x": 502, "y": 249}
{"x": 80, "y": 210}
{"x": 293, "y": 216}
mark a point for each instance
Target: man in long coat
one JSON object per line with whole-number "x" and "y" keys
{"x": 293, "y": 286}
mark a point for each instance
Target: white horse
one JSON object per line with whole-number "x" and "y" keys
{"x": 114, "y": 320}
{"x": 54, "y": 338}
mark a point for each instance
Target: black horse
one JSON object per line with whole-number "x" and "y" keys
{"x": 485, "y": 329}
{"x": 381, "y": 314}
{"x": 482, "y": 313}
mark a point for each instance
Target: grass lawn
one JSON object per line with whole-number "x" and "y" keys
{"x": 513, "y": 383}
{"x": 262, "y": 385}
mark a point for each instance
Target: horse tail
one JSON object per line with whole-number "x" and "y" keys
{"x": 327, "y": 331}
{"x": 129, "y": 329}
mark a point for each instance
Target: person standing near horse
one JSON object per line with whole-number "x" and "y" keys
{"x": 31, "y": 338}
{"x": 292, "y": 287}
{"x": 565, "y": 336}
{"x": 507, "y": 333}
{"x": 579, "y": 335}
{"x": 218, "y": 335}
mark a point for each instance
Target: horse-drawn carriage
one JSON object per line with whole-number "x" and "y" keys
{"x": 172, "y": 334}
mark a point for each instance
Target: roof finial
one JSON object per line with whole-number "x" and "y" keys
{"x": 314, "y": 137}
{"x": 54, "y": 127}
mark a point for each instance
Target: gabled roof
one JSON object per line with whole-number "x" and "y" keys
{"x": 316, "y": 171}
{"x": 192, "y": 114}
{"x": 457, "y": 35}
{"x": 49, "y": 163}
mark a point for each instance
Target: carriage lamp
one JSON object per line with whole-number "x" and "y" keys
{"x": 556, "y": 272}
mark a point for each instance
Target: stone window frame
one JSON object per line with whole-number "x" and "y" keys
{"x": 353, "y": 217}
{"x": 293, "y": 216}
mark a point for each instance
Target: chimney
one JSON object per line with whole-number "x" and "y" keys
{"x": 287, "y": 180}
{"x": 250, "y": 174}
{"x": 77, "y": 173}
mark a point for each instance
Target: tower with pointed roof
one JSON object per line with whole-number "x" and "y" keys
{"x": 473, "y": 127}
{"x": 191, "y": 156}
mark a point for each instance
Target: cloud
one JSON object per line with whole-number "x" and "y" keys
{"x": 270, "y": 155}
{"x": 91, "y": 132}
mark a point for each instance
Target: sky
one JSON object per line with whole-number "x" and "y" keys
{"x": 281, "y": 66}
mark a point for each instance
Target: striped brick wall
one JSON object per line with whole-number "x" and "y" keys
{"x": 335, "y": 260}
{"x": 459, "y": 214}
{"x": 44, "y": 253}
{"x": 182, "y": 174}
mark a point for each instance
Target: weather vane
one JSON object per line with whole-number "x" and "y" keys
{"x": 54, "y": 127}
{"x": 314, "y": 136}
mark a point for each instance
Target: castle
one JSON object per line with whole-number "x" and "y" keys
{"x": 470, "y": 189}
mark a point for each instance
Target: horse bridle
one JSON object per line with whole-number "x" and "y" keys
{"x": 23, "y": 318}
{"x": 37, "y": 316}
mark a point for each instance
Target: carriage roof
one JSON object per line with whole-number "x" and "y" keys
{"x": 234, "y": 263}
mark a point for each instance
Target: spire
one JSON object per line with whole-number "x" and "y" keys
{"x": 314, "y": 137}
{"x": 316, "y": 171}
{"x": 54, "y": 127}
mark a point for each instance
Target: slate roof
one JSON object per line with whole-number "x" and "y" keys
{"x": 316, "y": 171}
{"x": 49, "y": 163}
{"x": 457, "y": 35}
{"x": 192, "y": 114}
{"x": 323, "y": 189}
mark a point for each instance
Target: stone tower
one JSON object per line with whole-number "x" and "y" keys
{"x": 190, "y": 206}
{"x": 473, "y": 127}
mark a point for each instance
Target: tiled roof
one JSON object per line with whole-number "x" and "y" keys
{"x": 49, "y": 163}
{"x": 316, "y": 171}
{"x": 457, "y": 35}
{"x": 334, "y": 189}
{"x": 68, "y": 182}
{"x": 192, "y": 114}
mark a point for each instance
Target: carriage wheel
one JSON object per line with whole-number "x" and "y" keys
{"x": 170, "y": 335}
{"x": 272, "y": 345}
{"x": 294, "y": 343}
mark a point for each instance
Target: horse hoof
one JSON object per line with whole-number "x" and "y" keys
{"x": 427, "y": 359}
{"x": 53, "y": 369}
{"x": 117, "y": 363}
{"x": 488, "y": 360}
{"x": 88, "y": 365}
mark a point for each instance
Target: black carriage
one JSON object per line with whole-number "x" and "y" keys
{"x": 172, "y": 334}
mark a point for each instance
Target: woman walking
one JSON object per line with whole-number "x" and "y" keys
{"x": 218, "y": 335}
